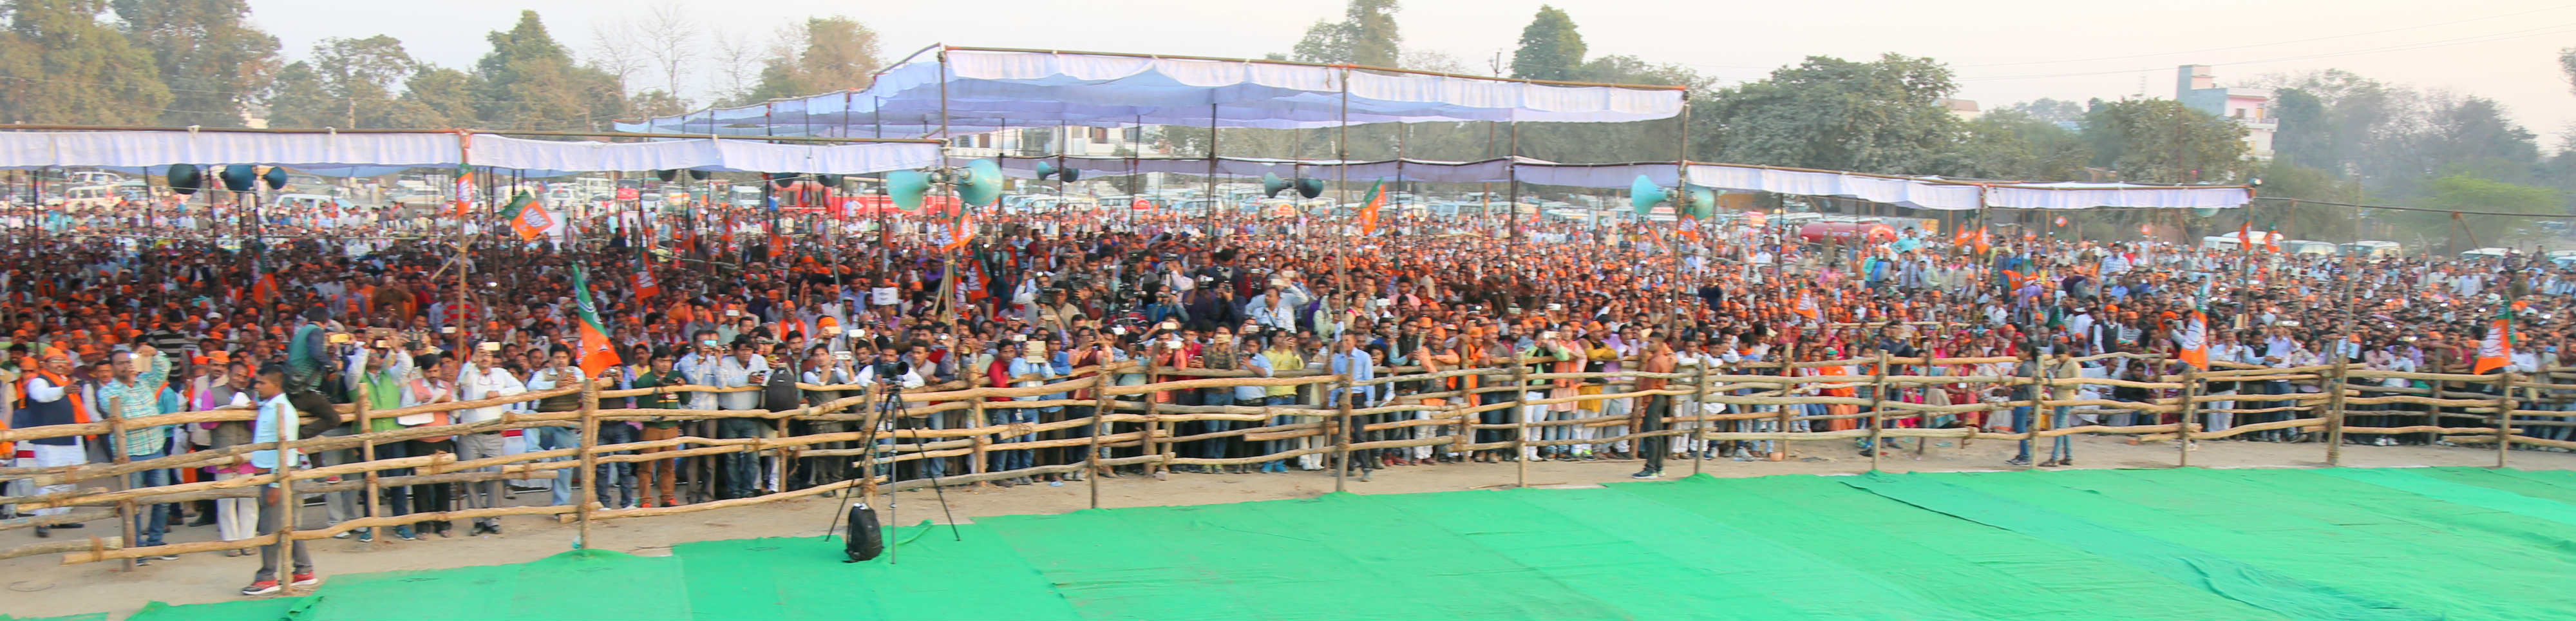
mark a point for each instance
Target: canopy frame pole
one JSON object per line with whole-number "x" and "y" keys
{"x": 1342, "y": 194}
{"x": 1213, "y": 203}
{"x": 1512, "y": 206}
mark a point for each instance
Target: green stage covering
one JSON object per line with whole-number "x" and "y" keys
{"x": 2415, "y": 543}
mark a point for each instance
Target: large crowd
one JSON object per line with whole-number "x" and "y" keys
{"x": 132, "y": 312}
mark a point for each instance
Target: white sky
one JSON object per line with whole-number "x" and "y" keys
{"x": 2004, "y": 51}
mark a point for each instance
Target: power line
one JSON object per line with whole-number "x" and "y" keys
{"x": 2485, "y": 38}
{"x": 2255, "y": 45}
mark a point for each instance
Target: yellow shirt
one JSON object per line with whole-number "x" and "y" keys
{"x": 1283, "y": 360}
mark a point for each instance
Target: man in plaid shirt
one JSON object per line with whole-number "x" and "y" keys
{"x": 135, "y": 392}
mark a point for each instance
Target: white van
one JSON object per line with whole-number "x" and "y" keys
{"x": 2372, "y": 249}
{"x": 2302, "y": 246}
{"x": 88, "y": 196}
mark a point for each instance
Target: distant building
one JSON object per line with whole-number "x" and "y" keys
{"x": 1965, "y": 109}
{"x": 2198, "y": 89}
{"x": 1078, "y": 141}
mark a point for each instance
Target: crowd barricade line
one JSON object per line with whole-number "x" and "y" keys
{"x": 1148, "y": 427}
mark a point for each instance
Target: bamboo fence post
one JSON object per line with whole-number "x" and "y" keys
{"x": 1699, "y": 428}
{"x": 1520, "y": 428}
{"x": 1877, "y": 399}
{"x": 367, "y": 450}
{"x": 287, "y": 500}
{"x": 2190, "y": 410}
{"x": 1788, "y": 371}
{"x": 1153, "y": 421}
{"x": 977, "y": 453}
{"x": 588, "y": 492}
{"x": 2334, "y": 409}
{"x": 116, "y": 451}
{"x": 2504, "y": 419}
{"x": 1342, "y": 436}
{"x": 1091, "y": 459}
{"x": 2040, "y": 418}
{"x": 868, "y": 453}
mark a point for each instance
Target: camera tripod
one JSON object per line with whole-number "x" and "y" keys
{"x": 892, "y": 407}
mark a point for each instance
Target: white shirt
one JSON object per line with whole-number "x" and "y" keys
{"x": 481, "y": 383}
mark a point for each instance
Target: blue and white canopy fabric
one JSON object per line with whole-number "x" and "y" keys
{"x": 369, "y": 153}
{"x": 988, "y": 89}
{"x": 1955, "y": 195}
{"x": 1914, "y": 192}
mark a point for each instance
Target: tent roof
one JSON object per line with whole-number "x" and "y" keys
{"x": 1914, "y": 192}
{"x": 365, "y": 153}
{"x": 986, "y": 89}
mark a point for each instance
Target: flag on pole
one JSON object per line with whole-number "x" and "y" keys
{"x": 464, "y": 190}
{"x": 2496, "y": 350}
{"x": 1690, "y": 227}
{"x": 647, "y": 287}
{"x": 596, "y": 354}
{"x": 960, "y": 229}
{"x": 1369, "y": 206}
{"x": 527, "y": 216}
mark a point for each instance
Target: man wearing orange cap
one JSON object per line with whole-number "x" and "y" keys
{"x": 48, "y": 397}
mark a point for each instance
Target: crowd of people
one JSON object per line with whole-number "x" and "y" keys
{"x": 136, "y": 313}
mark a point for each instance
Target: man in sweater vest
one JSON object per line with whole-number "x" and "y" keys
{"x": 46, "y": 396}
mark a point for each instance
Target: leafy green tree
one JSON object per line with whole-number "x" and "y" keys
{"x": 529, "y": 81}
{"x": 299, "y": 97}
{"x": 2164, "y": 141}
{"x": 1367, "y": 35}
{"x": 2469, "y": 193}
{"x": 2050, "y": 110}
{"x": 59, "y": 64}
{"x": 2012, "y": 144}
{"x": 213, "y": 62}
{"x": 1550, "y": 48}
{"x": 437, "y": 97}
{"x": 822, "y": 55}
{"x": 360, "y": 74}
{"x": 1882, "y": 116}
{"x": 2307, "y": 220}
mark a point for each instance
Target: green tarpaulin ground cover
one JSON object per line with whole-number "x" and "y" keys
{"x": 2410, "y": 543}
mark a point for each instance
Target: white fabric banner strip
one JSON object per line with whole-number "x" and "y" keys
{"x": 1918, "y": 193}
{"x": 1944, "y": 194}
{"x": 344, "y": 154}
{"x": 990, "y": 89}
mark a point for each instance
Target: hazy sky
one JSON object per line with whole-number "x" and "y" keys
{"x": 2003, "y": 50}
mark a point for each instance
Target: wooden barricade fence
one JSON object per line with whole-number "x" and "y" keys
{"x": 1129, "y": 417}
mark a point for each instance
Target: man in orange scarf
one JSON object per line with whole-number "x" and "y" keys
{"x": 46, "y": 396}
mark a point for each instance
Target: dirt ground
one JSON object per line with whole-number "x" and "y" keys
{"x": 40, "y": 586}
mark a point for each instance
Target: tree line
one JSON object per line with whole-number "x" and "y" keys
{"x": 202, "y": 63}
{"x": 2342, "y": 137}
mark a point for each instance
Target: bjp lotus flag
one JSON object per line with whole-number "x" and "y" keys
{"x": 1690, "y": 228}
{"x": 2245, "y": 236}
{"x": 2194, "y": 340}
{"x": 646, "y": 286}
{"x": 527, "y": 216}
{"x": 1368, "y": 207}
{"x": 1807, "y": 305}
{"x": 961, "y": 229}
{"x": 596, "y": 354}
{"x": 464, "y": 190}
{"x": 2496, "y": 350}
